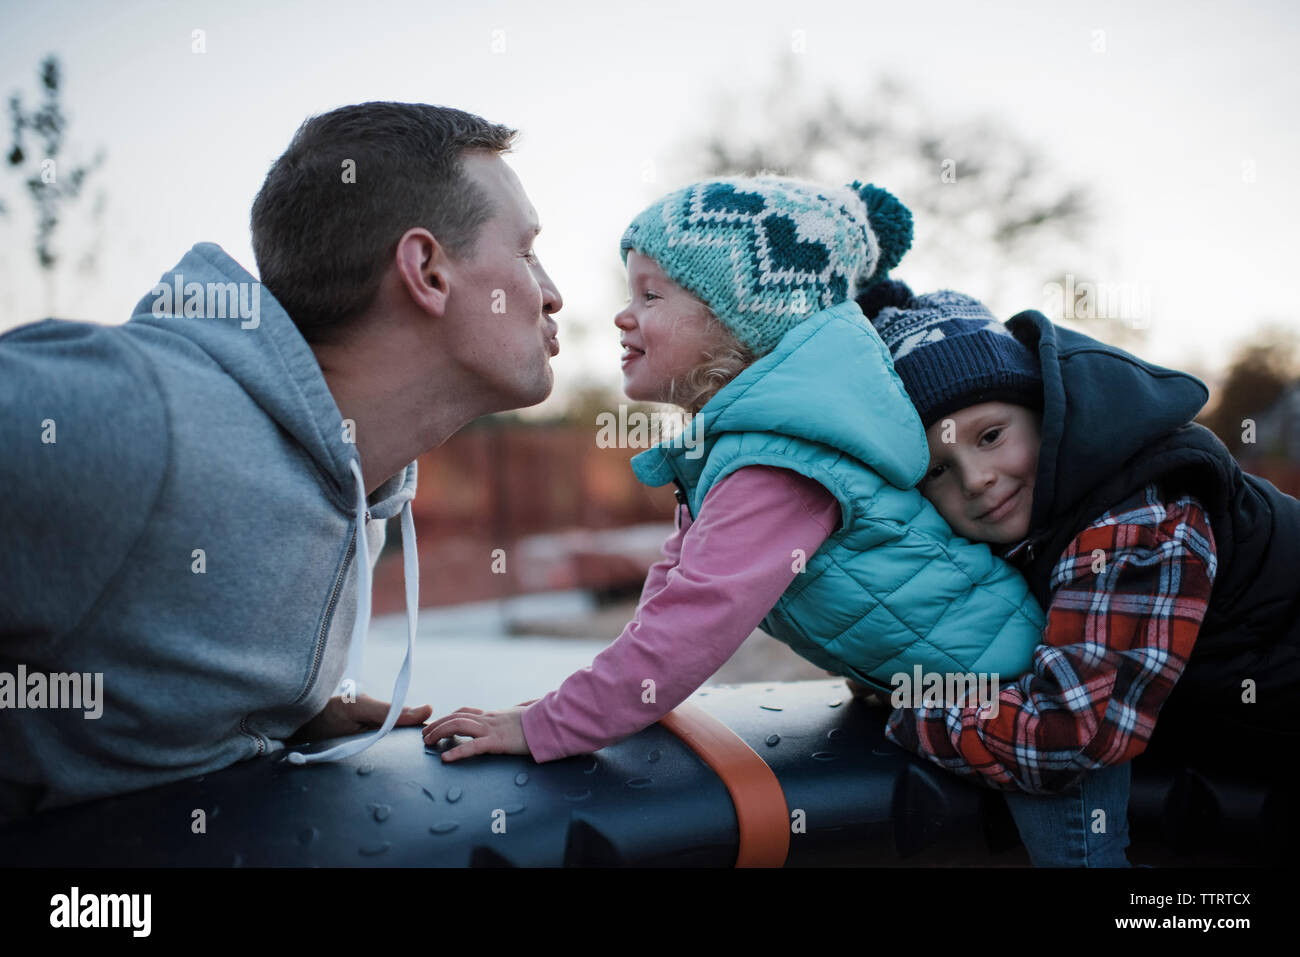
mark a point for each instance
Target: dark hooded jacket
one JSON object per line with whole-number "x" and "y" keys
{"x": 1113, "y": 424}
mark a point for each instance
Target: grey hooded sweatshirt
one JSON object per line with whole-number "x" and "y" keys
{"x": 179, "y": 501}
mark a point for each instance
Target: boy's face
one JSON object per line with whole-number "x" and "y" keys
{"x": 983, "y": 460}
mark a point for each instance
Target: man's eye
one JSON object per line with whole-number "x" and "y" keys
{"x": 991, "y": 435}
{"x": 934, "y": 473}
{"x": 651, "y": 295}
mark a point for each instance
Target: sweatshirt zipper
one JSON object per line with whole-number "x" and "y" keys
{"x": 329, "y": 615}
{"x": 320, "y": 638}
{"x": 257, "y": 738}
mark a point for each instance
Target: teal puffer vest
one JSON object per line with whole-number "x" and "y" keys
{"x": 893, "y": 587}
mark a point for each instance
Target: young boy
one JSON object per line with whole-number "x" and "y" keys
{"x": 1168, "y": 574}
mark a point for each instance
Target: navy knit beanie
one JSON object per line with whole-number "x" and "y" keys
{"x": 950, "y": 351}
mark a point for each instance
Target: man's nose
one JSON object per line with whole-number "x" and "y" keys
{"x": 623, "y": 319}
{"x": 552, "y": 301}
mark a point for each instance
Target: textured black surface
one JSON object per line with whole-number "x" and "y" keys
{"x": 648, "y": 801}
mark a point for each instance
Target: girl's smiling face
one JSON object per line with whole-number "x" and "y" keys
{"x": 666, "y": 332}
{"x": 983, "y": 461}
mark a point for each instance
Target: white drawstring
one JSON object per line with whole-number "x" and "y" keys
{"x": 356, "y": 650}
{"x": 357, "y": 646}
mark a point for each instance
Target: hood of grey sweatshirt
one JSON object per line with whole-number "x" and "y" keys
{"x": 179, "y": 498}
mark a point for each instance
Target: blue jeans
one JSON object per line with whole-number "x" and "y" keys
{"x": 1066, "y": 830}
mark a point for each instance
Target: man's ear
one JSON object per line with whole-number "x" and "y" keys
{"x": 424, "y": 266}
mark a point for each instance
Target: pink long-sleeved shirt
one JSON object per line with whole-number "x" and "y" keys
{"x": 719, "y": 577}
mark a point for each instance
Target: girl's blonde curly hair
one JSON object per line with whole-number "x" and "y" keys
{"x": 725, "y": 359}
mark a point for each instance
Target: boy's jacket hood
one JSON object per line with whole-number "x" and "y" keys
{"x": 871, "y": 418}
{"x": 1130, "y": 403}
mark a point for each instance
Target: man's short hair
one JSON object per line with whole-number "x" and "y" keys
{"x": 327, "y": 220}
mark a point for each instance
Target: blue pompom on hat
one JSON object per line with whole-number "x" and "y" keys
{"x": 951, "y": 352}
{"x": 766, "y": 252}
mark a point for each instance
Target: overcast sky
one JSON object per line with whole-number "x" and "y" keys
{"x": 1182, "y": 124}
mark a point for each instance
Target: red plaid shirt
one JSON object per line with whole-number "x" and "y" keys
{"x": 1128, "y": 598}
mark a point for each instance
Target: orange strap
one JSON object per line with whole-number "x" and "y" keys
{"x": 756, "y": 793}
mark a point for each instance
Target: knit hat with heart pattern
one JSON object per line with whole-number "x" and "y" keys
{"x": 764, "y": 253}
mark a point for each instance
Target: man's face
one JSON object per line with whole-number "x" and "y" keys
{"x": 501, "y": 299}
{"x": 983, "y": 460}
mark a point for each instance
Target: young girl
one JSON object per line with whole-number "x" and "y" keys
{"x": 798, "y": 507}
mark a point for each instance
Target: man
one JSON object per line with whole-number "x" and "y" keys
{"x": 182, "y": 494}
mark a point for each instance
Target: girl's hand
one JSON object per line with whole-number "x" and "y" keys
{"x": 865, "y": 694}
{"x": 494, "y": 732}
